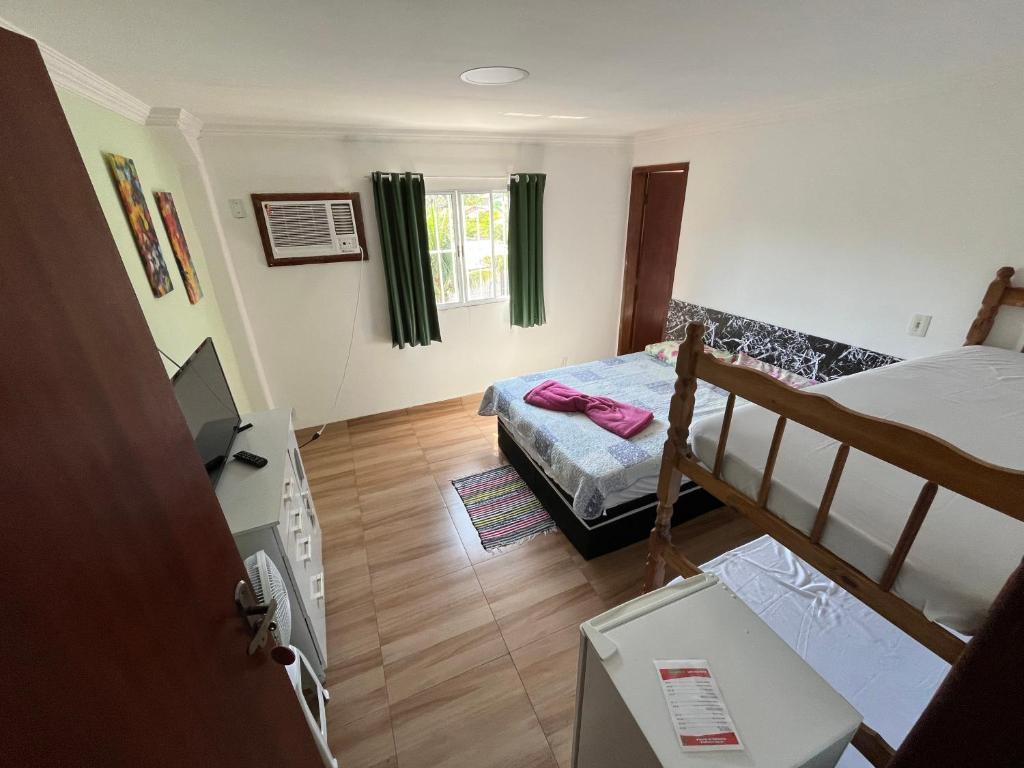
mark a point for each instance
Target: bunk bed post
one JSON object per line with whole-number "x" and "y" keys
{"x": 990, "y": 304}
{"x": 680, "y": 414}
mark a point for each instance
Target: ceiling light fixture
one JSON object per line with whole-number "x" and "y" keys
{"x": 521, "y": 114}
{"x": 568, "y": 117}
{"x": 494, "y": 75}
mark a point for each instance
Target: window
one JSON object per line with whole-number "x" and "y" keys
{"x": 468, "y": 238}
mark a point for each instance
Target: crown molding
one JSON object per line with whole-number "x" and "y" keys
{"x": 69, "y": 74}
{"x": 982, "y": 77}
{"x": 175, "y": 117}
{"x": 363, "y": 133}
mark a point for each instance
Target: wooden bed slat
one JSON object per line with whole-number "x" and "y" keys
{"x": 938, "y": 639}
{"x": 999, "y": 292}
{"x": 910, "y": 531}
{"x": 830, "y": 492}
{"x": 1014, "y": 297}
{"x": 723, "y": 436}
{"x": 874, "y": 748}
{"x": 769, "y": 466}
{"x": 680, "y": 563}
{"x": 680, "y": 414}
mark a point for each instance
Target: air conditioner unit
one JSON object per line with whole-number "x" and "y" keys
{"x": 302, "y": 229}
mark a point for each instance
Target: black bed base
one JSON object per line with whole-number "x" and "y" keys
{"x": 621, "y": 526}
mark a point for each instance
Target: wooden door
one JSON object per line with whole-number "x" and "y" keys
{"x": 656, "y": 202}
{"x": 121, "y": 643}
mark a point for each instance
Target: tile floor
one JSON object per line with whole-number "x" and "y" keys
{"x": 443, "y": 654}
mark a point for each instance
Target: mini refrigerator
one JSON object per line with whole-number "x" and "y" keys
{"x": 786, "y": 715}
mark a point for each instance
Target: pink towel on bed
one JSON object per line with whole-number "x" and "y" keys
{"x": 622, "y": 419}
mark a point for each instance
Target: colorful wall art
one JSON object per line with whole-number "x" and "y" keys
{"x": 134, "y": 202}
{"x": 169, "y": 213}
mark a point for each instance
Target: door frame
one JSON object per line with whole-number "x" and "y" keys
{"x": 634, "y": 237}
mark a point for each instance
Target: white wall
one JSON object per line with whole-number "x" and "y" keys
{"x": 844, "y": 224}
{"x": 302, "y": 315}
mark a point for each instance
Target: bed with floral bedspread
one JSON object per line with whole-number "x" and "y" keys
{"x": 588, "y": 462}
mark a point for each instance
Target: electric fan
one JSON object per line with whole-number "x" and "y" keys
{"x": 267, "y": 583}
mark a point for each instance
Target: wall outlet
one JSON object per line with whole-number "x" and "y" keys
{"x": 237, "y": 207}
{"x": 919, "y": 325}
{"x": 565, "y": 362}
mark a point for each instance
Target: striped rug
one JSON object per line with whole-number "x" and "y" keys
{"x": 503, "y": 509}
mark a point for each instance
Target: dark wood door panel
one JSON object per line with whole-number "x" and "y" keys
{"x": 121, "y": 642}
{"x": 658, "y": 252}
{"x": 657, "y": 198}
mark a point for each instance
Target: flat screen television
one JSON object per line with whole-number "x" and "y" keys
{"x": 206, "y": 402}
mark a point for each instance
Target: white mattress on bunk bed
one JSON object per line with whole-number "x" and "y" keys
{"x": 885, "y": 674}
{"x": 972, "y": 397}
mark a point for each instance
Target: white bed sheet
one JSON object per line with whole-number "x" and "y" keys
{"x": 972, "y": 397}
{"x": 885, "y": 674}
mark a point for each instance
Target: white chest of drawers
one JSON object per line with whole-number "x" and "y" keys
{"x": 272, "y": 509}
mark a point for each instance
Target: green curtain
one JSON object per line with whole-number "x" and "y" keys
{"x": 402, "y": 222}
{"x": 526, "y": 248}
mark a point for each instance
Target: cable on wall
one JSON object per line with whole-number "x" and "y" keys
{"x": 348, "y": 357}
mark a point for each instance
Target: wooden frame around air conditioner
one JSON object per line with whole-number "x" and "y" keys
{"x": 257, "y": 203}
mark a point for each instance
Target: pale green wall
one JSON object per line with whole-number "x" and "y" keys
{"x": 177, "y": 326}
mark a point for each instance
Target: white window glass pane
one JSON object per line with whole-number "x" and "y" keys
{"x": 475, "y": 214}
{"x": 449, "y": 280}
{"x": 500, "y": 217}
{"x": 441, "y": 240}
{"x": 499, "y": 230}
{"x": 476, "y": 245}
{"x": 445, "y": 235}
{"x": 433, "y": 204}
{"x": 501, "y": 268}
{"x": 436, "y": 272}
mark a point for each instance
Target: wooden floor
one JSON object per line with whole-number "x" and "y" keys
{"x": 440, "y": 653}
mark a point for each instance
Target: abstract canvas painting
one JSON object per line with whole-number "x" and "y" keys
{"x": 134, "y": 203}
{"x": 169, "y": 213}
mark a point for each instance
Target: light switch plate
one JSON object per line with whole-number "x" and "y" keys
{"x": 237, "y": 208}
{"x": 919, "y": 325}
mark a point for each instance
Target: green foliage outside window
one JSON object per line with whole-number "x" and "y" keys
{"x": 481, "y": 218}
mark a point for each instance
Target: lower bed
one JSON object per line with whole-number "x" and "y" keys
{"x": 625, "y": 523}
{"x": 972, "y": 397}
{"x": 598, "y": 487}
{"x": 885, "y": 674}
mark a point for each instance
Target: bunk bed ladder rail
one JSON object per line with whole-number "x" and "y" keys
{"x": 938, "y": 462}
{"x": 1000, "y": 293}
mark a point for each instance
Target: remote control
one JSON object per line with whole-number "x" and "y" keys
{"x": 251, "y": 458}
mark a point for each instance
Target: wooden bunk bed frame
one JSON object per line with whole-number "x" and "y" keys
{"x": 935, "y": 461}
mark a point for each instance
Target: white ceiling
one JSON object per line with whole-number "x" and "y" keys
{"x": 630, "y": 66}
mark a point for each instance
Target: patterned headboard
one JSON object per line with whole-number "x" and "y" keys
{"x": 811, "y": 356}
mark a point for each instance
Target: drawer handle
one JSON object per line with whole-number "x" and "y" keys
{"x": 316, "y": 586}
{"x": 309, "y": 508}
{"x": 305, "y": 549}
{"x": 296, "y": 521}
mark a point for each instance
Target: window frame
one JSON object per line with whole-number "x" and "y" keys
{"x": 455, "y": 195}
